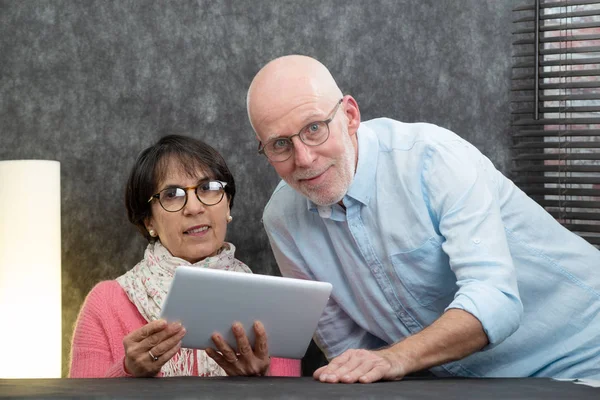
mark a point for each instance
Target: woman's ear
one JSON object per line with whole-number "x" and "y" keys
{"x": 149, "y": 224}
{"x": 229, "y": 218}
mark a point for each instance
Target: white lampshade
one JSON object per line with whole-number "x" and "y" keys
{"x": 30, "y": 288}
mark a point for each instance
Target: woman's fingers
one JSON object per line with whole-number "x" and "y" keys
{"x": 166, "y": 345}
{"x": 246, "y": 360}
{"x": 148, "y": 348}
{"x": 166, "y": 356}
{"x": 225, "y": 356}
{"x": 145, "y": 331}
{"x": 229, "y": 368}
{"x": 243, "y": 344}
{"x": 261, "y": 348}
{"x": 228, "y": 354}
{"x": 168, "y": 331}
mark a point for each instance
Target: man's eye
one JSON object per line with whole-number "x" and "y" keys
{"x": 314, "y": 127}
{"x": 280, "y": 144}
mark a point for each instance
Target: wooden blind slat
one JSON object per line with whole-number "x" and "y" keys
{"x": 556, "y": 132}
{"x": 565, "y": 180}
{"x": 555, "y": 4}
{"x": 557, "y": 156}
{"x": 558, "y": 145}
{"x": 553, "y": 168}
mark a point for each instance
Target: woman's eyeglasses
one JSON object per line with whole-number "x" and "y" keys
{"x": 173, "y": 199}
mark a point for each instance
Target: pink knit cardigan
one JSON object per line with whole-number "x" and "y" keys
{"x": 106, "y": 317}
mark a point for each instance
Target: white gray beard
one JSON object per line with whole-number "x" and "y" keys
{"x": 348, "y": 163}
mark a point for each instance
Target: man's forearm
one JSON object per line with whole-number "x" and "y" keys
{"x": 455, "y": 335}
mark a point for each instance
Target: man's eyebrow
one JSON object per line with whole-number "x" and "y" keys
{"x": 311, "y": 117}
{"x": 273, "y": 137}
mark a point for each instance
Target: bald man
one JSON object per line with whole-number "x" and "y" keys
{"x": 437, "y": 260}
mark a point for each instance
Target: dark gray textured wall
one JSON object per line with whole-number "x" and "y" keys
{"x": 92, "y": 83}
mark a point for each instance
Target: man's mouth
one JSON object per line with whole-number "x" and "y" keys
{"x": 311, "y": 177}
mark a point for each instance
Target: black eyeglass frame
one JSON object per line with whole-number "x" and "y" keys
{"x": 186, "y": 190}
{"x": 261, "y": 148}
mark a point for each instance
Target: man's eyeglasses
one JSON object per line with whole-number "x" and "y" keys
{"x": 173, "y": 199}
{"x": 316, "y": 133}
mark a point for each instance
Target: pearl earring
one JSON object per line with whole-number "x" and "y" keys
{"x": 152, "y": 232}
{"x": 229, "y": 218}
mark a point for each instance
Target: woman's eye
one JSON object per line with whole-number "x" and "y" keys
{"x": 172, "y": 193}
{"x": 204, "y": 187}
{"x": 210, "y": 186}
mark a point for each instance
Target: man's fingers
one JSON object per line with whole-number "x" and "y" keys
{"x": 318, "y": 372}
{"x": 364, "y": 367}
{"x": 329, "y": 372}
{"x": 357, "y": 366}
{"x": 347, "y": 372}
{"x": 374, "y": 375}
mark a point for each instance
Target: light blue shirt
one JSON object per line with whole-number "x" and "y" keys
{"x": 430, "y": 225}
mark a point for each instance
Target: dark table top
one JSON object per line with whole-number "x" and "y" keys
{"x": 294, "y": 388}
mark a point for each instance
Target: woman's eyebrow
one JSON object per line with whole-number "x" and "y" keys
{"x": 175, "y": 185}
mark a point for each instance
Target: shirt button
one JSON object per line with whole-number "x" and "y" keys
{"x": 476, "y": 241}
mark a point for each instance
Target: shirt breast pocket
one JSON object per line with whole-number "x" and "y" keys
{"x": 425, "y": 272}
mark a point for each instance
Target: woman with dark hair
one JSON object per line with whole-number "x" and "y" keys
{"x": 179, "y": 195}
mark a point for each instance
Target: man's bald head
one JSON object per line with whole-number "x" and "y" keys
{"x": 289, "y": 80}
{"x": 292, "y": 100}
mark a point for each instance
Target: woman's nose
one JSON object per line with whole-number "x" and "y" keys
{"x": 193, "y": 204}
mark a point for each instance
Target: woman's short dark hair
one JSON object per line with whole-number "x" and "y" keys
{"x": 151, "y": 166}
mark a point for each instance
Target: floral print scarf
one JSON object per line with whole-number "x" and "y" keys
{"x": 147, "y": 285}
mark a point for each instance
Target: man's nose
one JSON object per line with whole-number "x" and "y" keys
{"x": 303, "y": 154}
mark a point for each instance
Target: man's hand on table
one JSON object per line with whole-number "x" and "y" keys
{"x": 364, "y": 366}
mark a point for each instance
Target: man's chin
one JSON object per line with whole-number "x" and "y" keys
{"x": 318, "y": 194}
{"x": 322, "y": 199}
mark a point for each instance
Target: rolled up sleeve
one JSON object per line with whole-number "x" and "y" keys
{"x": 459, "y": 189}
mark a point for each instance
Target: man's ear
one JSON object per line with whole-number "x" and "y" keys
{"x": 258, "y": 140}
{"x": 352, "y": 114}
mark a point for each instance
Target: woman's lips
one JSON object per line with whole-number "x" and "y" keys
{"x": 197, "y": 230}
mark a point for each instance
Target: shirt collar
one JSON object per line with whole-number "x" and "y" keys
{"x": 363, "y": 184}
{"x": 361, "y": 187}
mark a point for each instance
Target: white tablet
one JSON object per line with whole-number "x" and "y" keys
{"x": 207, "y": 301}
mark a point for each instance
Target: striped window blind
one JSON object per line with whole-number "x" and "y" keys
{"x": 556, "y": 109}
